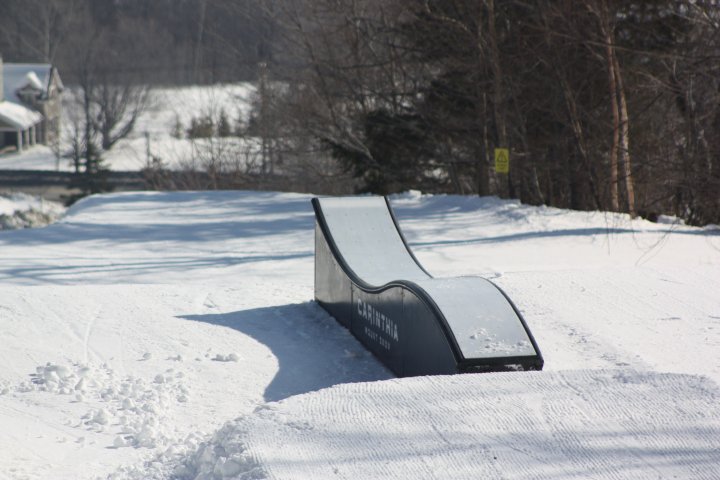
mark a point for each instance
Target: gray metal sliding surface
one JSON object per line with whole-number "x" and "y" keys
{"x": 366, "y": 237}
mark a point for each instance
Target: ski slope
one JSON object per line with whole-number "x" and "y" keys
{"x": 173, "y": 335}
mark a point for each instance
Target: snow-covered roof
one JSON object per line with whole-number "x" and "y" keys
{"x": 33, "y": 81}
{"x": 17, "y": 116}
{"x": 21, "y": 75}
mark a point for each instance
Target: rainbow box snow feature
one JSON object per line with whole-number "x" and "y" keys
{"x": 367, "y": 277}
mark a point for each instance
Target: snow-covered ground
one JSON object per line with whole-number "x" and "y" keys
{"x": 20, "y": 210}
{"x": 154, "y": 135}
{"x": 173, "y": 335}
{"x": 37, "y": 157}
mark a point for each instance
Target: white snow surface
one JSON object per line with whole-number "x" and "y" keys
{"x": 20, "y": 210}
{"x": 18, "y": 116}
{"x": 174, "y": 335}
{"x": 152, "y": 137}
{"x": 17, "y": 201}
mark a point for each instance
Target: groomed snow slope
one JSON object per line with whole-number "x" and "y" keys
{"x": 552, "y": 425}
{"x": 135, "y": 328}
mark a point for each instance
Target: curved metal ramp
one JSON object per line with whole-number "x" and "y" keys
{"x": 367, "y": 277}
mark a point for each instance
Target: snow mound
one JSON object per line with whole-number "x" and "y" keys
{"x": 571, "y": 424}
{"x": 225, "y": 455}
{"x": 134, "y": 409}
{"x": 20, "y": 210}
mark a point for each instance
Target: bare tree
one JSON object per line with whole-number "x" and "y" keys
{"x": 605, "y": 105}
{"x": 109, "y": 97}
{"x": 38, "y": 28}
{"x": 117, "y": 107}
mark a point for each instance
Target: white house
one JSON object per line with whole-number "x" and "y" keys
{"x": 30, "y": 107}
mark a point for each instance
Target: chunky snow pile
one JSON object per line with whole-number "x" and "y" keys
{"x": 173, "y": 335}
{"x": 135, "y": 406}
{"x": 222, "y": 456}
{"x": 20, "y": 210}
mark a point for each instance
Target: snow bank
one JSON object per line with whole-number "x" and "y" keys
{"x": 20, "y": 210}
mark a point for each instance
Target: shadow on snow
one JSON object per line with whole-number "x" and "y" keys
{"x": 313, "y": 351}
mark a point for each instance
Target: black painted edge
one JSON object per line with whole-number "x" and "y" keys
{"x": 412, "y": 287}
{"x": 539, "y": 360}
{"x": 402, "y": 237}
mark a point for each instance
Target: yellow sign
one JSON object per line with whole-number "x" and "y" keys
{"x": 502, "y": 160}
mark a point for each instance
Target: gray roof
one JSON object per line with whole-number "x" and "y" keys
{"x": 20, "y": 75}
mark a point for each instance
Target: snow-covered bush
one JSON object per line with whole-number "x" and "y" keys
{"x": 19, "y": 210}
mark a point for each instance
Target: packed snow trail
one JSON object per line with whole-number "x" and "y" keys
{"x": 165, "y": 366}
{"x": 560, "y": 425}
{"x": 182, "y": 311}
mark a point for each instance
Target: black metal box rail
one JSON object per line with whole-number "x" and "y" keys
{"x": 367, "y": 277}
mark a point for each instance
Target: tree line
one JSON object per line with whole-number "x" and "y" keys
{"x": 158, "y": 41}
{"x": 601, "y": 104}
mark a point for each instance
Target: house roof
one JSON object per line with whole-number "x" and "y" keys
{"x": 18, "y": 117}
{"x": 17, "y": 76}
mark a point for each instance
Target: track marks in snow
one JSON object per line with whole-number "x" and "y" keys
{"x": 601, "y": 424}
{"x": 88, "y": 332}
